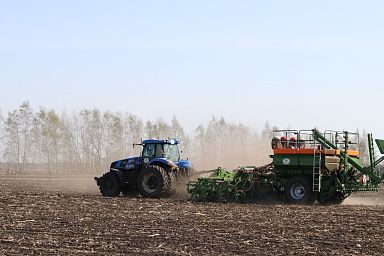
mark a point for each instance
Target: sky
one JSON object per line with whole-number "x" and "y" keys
{"x": 297, "y": 64}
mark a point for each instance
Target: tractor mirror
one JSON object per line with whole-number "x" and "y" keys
{"x": 137, "y": 144}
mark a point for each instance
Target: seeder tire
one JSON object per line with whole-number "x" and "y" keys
{"x": 298, "y": 190}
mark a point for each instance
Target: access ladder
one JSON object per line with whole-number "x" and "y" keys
{"x": 316, "y": 170}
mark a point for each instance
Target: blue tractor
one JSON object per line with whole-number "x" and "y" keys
{"x": 153, "y": 174}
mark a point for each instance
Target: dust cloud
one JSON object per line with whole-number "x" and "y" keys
{"x": 372, "y": 200}
{"x": 60, "y": 184}
{"x": 253, "y": 153}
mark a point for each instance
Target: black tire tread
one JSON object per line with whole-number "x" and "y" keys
{"x": 110, "y": 192}
{"x": 164, "y": 187}
{"x": 310, "y": 196}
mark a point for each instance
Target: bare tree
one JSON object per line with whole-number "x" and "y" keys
{"x": 363, "y": 147}
{"x": 133, "y": 133}
{"x": 158, "y": 129}
{"x": 114, "y": 132}
{"x": 25, "y": 113}
{"x": 69, "y": 146}
{"x": 75, "y": 140}
{"x": 47, "y": 130}
{"x": 18, "y": 128}
{"x": 198, "y": 145}
{"x": 12, "y": 141}
{"x": 177, "y": 132}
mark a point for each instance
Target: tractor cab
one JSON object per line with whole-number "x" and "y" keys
{"x": 167, "y": 149}
{"x": 162, "y": 152}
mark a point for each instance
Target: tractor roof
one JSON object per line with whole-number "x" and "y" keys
{"x": 169, "y": 141}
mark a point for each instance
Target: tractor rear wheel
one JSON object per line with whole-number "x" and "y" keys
{"x": 110, "y": 185}
{"x": 154, "y": 182}
{"x": 298, "y": 190}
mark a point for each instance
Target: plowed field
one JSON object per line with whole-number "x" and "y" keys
{"x": 51, "y": 216}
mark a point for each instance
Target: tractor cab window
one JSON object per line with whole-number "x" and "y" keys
{"x": 149, "y": 150}
{"x": 159, "y": 151}
{"x": 172, "y": 152}
{"x": 153, "y": 151}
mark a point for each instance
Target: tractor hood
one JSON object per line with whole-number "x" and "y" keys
{"x": 128, "y": 163}
{"x": 133, "y": 162}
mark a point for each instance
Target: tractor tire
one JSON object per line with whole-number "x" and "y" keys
{"x": 298, "y": 190}
{"x": 172, "y": 182}
{"x": 154, "y": 182}
{"x": 110, "y": 185}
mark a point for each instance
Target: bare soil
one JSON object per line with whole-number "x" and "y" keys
{"x": 67, "y": 216}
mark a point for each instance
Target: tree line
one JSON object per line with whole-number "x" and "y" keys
{"x": 87, "y": 141}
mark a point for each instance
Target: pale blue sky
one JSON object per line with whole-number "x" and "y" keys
{"x": 297, "y": 63}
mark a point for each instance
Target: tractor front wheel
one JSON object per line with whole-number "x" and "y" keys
{"x": 154, "y": 182}
{"x": 298, "y": 190}
{"x": 109, "y": 185}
